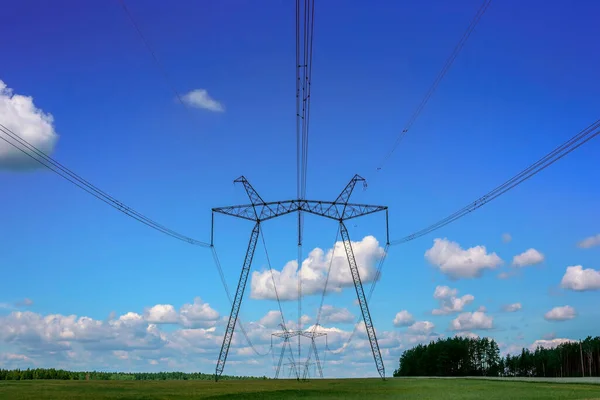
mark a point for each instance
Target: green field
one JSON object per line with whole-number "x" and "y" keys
{"x": 283, "y": 389}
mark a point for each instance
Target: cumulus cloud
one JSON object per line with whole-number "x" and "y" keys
{"x": 512, "y": 307}
{"x": 579, "y": 279}
{"x": 506, "y": 237}
{"x": 560, "y": 313}
{"x": 588, "y": 242}
{"x": 196, "y": 315}
{"x": 471, "y": 321}
{"x": 271, "y": 320}
{"x": 335, "y": 315}
{"x": 129, "y": 341}
{"x": 161, "y": 314}
{"x": 549, "y": 343}
{"x": 403, "y": 318}
{"x": 457, "y": 263}
{"x": 314, "y": 271}
{"x": 58, "y": 332}
{"x": 467, "y": 335}
{"x": 529, "y": 257}
{"x": 19, "y": 115}
{"x": 422, "y": 327}
{"x": 449, "y": 302}
{"x": 199, "y": 98}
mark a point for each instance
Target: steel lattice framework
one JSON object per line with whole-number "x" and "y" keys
{"x": 259, "y": 211}
{"x": 287, "y": 335}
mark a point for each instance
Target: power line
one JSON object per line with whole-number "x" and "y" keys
{"x": 437, "y": 80}
{"x": 39, "y": 156}
{"x": 272, "y": 277}
{"x": 304, "y": 57}
{"x": 304, "y": 52}
{"x": 70, "y": 176}
{"x": 152, "y": 52}
{"x": 308, "y": 55}
{"x": 337, "y": 235}
{"x": 575, "y": 142}
{"x": 298, "y": 116}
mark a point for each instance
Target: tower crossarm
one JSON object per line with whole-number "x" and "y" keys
{"x": 344, "y": 196}
{"x": 258, "y": 205}
{"x": 311, "y": 334}
{"x": 328, "y": 209}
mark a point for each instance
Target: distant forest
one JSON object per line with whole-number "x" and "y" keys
{"x": 481, "y": 357}
{"x": 42, "y": 373}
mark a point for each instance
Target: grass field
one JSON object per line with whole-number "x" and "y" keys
{"x": 281, "y": 389}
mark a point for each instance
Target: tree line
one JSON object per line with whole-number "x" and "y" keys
{"x": 481, "y": 357}
{"x": 51, "y": 373}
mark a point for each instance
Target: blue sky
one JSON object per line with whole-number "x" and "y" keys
{"x": 525, "y": 82}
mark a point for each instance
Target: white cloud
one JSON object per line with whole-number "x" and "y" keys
{"x": 403, "y": 318}
{"x": 271, "y": 320}
{"x": 129, "y": 341}
{"x": 512, "y": 307}
{"x": 199, "y": 98}
{"x": 549, "y": 344}
{"x": 506, "y": 237}
{"x": 467, "y": 335}
{"x": 59, "y": 332}
{"x": 579, "y": 279}
{"x": 314, "y": 271}
{"x": 560, "y": 313}
{"x": 529, "y": 257}
{"x": 471, "y": 321}
{"x": 198, "y": 315}
{"x": 161, "y": 314}
{"x": 455, "y": 262}
{"x": 588, "y": 242}
{"x": 444, "y": 292}
{"x": 421, "y": 327}
{"x": 449, "y": 303}
{"x": 335, "y": 315}
{"x": 21, "y": 116}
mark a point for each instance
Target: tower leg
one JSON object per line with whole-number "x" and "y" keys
{"x": 296, "y": 370}
{"x": 281, "y": 357}
{"x": 362, "y": 300}
{"x": 237, "y": 302}
{"x": 314, "y": 346}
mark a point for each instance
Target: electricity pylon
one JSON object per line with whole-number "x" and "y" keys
{"x": 287, "y": 335}
{"x": 259, "y": 211}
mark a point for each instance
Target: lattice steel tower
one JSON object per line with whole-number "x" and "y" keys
{"x": 260, "y": 211}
